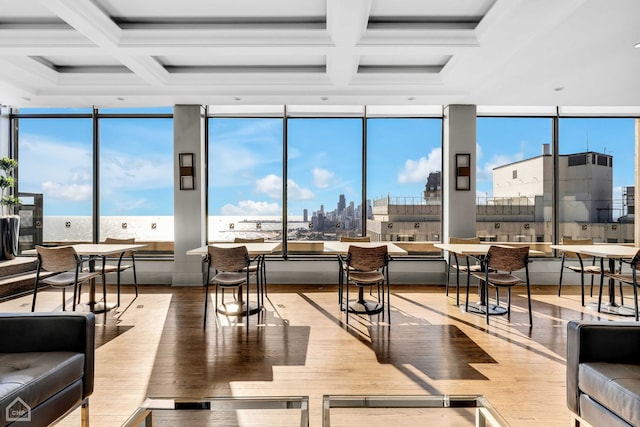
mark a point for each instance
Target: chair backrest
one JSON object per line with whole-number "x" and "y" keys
{"x": 367, "y": 259}
{"x": 569, "y": 254}
{"x": 464, "y": 240}
{"x": 355, "y": 239}
{"x": 228, "y": 259}
{"x": 114, "y": 241}
{"x": 58, "y": 259}
{"x": 245, "y": 240}
{"x": 502, "y": 258}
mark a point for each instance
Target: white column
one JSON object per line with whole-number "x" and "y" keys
{"x": 459, "y": 137}
{"x": 189, "y": 205}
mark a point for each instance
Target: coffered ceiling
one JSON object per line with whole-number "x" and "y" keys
{"x": 423, "y": 52}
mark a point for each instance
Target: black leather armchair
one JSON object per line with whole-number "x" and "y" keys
{"x": 603, "y": 372}
{"x": 46, "y": 366}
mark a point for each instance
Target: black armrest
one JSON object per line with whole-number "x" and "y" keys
{"x": 610, "y": 342}
{"x": 41, "y": 332}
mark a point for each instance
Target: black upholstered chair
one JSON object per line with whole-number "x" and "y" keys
{"x": 47, "y": 362}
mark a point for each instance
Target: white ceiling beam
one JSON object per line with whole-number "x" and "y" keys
{"x": 346, "y": 23}
{"x": 98, "y": 27}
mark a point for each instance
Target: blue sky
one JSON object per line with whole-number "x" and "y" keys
{"x": 246, "y": 160}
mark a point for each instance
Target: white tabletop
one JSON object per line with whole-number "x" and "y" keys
{"x": 600, "y": 250}
{"x": 99, "y": 249}
{"x": 262, "y": 248}
{"x": 331, "y": 247}
{"x": 475, "y": 248}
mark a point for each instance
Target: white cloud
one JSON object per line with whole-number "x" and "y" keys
{"x": 418, "y": 171}
{"x": 271, "y": 185}
{"x": 485, "y": 171}
{"x": 72, "y": 192}
{"x": 322, "y": 178}
{"x": 295, "y": 192}
{"x": 251, "y": 208}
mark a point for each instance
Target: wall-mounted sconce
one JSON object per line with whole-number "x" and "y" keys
{"x": 614, "y": 227}
{"x": 416, "y": 225}
{"x": 496, "y": 225}
{"x": 463, "y": 172}
{"x": 527, "y": 226}
{"x": 187, "y": 171}
{"x": 390, "y": 225}
{"x": 584, "y": 226}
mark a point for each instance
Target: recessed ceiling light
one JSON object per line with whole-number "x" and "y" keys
{"x": 559, "y": 89}
{"x": 411, "y": 98}
{"x": 237, "y": 98}
{"x": 120, "y": 98}
{"x": 26, "y": 99}
{"x": 324, "y": 98}
{"x": 637, "y": 45}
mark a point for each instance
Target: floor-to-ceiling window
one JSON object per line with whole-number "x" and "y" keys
{"x": 55, "y": 157}
{"x": 245, "y": 178}
{"x": 404, "y": 176}
{"x": 136, "y": 177}
{"x": 514, "y": 179}
{"x": 55, "y": 150}
{"x": 324, "y": 180}
{"x": 596, "y": 173}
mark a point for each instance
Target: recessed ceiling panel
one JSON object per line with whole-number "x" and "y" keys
{"x": 247, "y": 60}
{"x": 212, "y": 8}
{"x": 431, "y": 8}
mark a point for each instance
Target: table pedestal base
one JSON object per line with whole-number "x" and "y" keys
{"x": 101, "y": 307}
{"x": 477, "y": 308}
{"x": 364, "y": 307}
{"x": 236, "y": 308}
{"x": 608, "y": 308}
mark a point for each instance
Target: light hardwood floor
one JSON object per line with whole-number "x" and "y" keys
{"x": 157, "y": 347}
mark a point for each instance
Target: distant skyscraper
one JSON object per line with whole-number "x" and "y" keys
{"x": 342, "y": 203}
{"x": 305, "y": 215}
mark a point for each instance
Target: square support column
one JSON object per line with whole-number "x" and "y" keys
{"x": 190, "y": 210}
{"x": 458, "y": 206}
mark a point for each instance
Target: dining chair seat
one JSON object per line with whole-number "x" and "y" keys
{"x": 67, "y": 278}
{"x": 366, "y": 277}
{"x": 227, "y": 278}
{"x": 588, "y": 269}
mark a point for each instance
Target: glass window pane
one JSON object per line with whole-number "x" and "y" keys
{"x": 404, "y": 164}
{"x": 515, "y": 180}
{"x": 56, "y": 160}
{"x": 597, "y": 179}
{"x": 245, "y": 178}
{"x": 136, "y": 181}
{"x": 324, "y": 183}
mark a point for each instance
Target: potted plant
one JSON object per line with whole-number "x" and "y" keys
{"x": 9, "y": 222}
